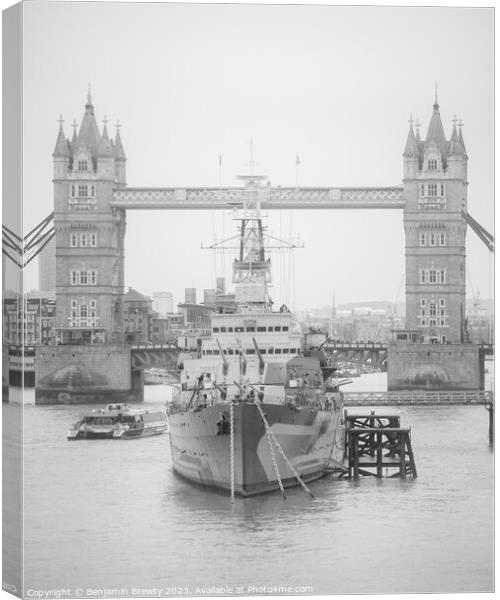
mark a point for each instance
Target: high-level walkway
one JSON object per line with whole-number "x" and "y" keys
{"x": 271, "y": 198}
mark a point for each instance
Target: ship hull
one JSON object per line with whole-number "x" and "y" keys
{"x": 311, "y": 439}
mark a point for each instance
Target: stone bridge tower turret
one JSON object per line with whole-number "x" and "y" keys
{"x": 89, "y": 233}
{"x": 435, "y": 188}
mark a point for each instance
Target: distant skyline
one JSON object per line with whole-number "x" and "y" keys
{"x": 192, "y": 82}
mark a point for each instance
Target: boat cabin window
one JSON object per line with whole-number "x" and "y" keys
{"x": 209, "y": 352}
{"x": 285, "y": 350}
{"x": 216, "y": 330}
{"x": 277, "y": 328}
{"x": 230, "y": 351}
{"x": 216, "y": 352}
{"x": 277, "y": 351}
{"x": 223, "y": 329}
{"x": 270, "y": 350}
{"x": 239, "y": 329}
{"x": 101, "y": 420}
{"x": 261, "y": 328}
{"x": 285, "y": 328}
{"x": 250, "y": 351}
{"x": 250, "y": 328}
{"x": 230, "y": 330}
{"x": 263, "y": 350}
{"x": 270, "y": 328}
{"x": 128, "y": 419}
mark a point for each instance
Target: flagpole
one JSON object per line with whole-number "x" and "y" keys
{"x": 223, "y": 260}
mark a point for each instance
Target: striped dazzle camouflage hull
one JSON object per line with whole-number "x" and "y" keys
{"x": 311, "y": 439}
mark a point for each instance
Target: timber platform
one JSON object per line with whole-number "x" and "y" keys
{"x": 419, "y": 398}
{"x": 376, "y": 443}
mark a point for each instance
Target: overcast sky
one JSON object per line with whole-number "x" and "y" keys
{"x": 335, "y": 85}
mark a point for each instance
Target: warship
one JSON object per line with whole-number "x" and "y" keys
{"x": 255, "y": 412}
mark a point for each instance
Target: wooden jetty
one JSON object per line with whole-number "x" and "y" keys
{"x": 376, "y": 442}
{"x": 428, "y": 398}
{"x": 418, "y": 398}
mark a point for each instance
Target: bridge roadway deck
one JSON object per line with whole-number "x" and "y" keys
{"x": 271, "y": 198}
{"x": 418, "y": 398}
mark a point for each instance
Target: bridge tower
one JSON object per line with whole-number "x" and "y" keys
{"x": 435, "y": 189}
{"x": 89, "y": 233}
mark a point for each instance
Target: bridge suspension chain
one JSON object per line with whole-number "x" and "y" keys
{"x": 486, "y": 237}
{"x": 21, "y": 251}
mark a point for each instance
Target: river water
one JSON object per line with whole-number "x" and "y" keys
{"x": 112, "y": 515}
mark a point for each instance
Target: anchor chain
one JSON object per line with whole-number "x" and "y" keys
{"x": 282, "y": 452}
{"x": 231, "y": 447}
{"x": 273, "y": 455}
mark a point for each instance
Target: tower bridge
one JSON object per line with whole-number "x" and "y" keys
{"x": 89, "y": 223}
{"x": 91, "y": 199}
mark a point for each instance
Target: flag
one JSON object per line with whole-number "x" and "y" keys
{"x": 297, "y": 159}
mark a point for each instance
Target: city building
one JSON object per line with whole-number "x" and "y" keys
{"x": 480, "y": 322}
{"x": 196, "y": 316}
{"x": 29, "y": 321}
{"x": 166, "y": 328}
{"x": 163, "y": 303}
{"x": 47, "y": 268}
{"x": 355, "y": 322}
{"x": 137, "y": 317}
{"x": 190, "y": 295}
{"x": 209, "y": 297}
{"x": 220, "y": 286}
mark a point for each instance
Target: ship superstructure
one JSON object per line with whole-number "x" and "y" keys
{"x": 232, "y": 335}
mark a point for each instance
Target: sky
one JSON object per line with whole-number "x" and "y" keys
{"x": 333, "y": 85}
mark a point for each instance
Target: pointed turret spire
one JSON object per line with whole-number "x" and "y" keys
{"x": 435, "y": 133}
{"x": 460, "y": 137}
{"x": 74, "y": 125}
{"x": 89, "y": 107}
{"x": 105, "y": 128}
{"x": 411, "y": 148}
{"x": 118, "y": 146}
{"x": 105, "y": 149}
{"x": 89, "y": 136}
{"x": 417, "y": 134}
{"x": 62, "y": 146}
{"x": 454, "y": 147}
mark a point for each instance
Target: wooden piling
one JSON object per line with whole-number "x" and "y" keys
{"x": 402, "y": 456}
{"x": 380, "y": 457}
{"x": 491, "y": 427}
{"x": 366, "y": 447}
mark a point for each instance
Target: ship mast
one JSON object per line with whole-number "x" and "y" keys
{"x": 251, "y": 269}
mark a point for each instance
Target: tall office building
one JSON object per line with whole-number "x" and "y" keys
{"x": 163, "y": 303}
{"x": 190, "y": 295}
{"x": 220, "y": 285}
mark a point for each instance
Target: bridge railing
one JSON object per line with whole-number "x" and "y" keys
{"x": 164, "y": 346}
{"x": 418, "y": 398}
{"x": 356, "y": 345}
